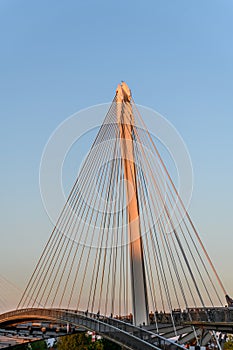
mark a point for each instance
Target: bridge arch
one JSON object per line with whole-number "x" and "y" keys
{"x": 120, "y": 332}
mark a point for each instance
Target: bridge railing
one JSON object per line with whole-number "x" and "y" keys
{"x": 113, "y": 326}
{"x": 211, "y": 314}
{"x": 207, "y": 314}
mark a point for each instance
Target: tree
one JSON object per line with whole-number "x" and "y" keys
{"x": 228, "y": 345}
{"x": 38, "y": 345}
{"x": 79, "y": 341}
{"x": 20, "y": 347}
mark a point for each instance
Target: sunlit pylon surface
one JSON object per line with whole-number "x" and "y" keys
{"x": 124, "y": 241}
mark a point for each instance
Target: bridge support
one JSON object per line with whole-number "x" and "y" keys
{"x": 138, "y": 278}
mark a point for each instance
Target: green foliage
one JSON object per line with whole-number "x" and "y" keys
{"x": 72, "y": 342}
{"x": 41, "y": 345}
{"x": 79, "y": 341}
{"x": 38, "y": 345}
{"x": 228, "y": 345}
{"x": 19, "y": 347}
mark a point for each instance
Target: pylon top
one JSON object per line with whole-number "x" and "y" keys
{"x": 123, "y": 92}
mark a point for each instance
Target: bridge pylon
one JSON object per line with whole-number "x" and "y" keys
{"x": 124, "y": 245}
{"x": 125, "y": 121}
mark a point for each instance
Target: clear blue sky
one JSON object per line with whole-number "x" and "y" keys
{"x": 58, "y": 57}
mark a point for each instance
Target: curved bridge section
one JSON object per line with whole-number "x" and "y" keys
{"x": 125, "y": 334}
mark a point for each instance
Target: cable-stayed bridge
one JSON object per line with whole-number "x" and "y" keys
{"x": 124, "y": 258}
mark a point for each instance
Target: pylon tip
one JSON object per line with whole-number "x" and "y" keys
{"x": 123, "y": 92}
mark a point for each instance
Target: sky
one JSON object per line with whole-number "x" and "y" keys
{"x": 59, "y": 57}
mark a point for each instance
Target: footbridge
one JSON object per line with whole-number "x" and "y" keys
{"x": 123, "y": 333}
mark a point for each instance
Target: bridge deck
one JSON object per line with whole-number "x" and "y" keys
{"x": 154, "y": 336}
{"x": 126, "y": 334}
